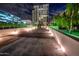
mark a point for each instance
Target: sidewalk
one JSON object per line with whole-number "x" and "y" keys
{"x": 70, "y": 45}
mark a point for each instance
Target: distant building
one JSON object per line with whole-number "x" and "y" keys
{"x": 40, "y": 13}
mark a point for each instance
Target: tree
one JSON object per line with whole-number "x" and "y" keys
{"x": 69, "y": 14}
{"x": 68, "y": 18}
{"x": 72, "y": 15}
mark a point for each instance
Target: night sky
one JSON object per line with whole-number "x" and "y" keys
{"x": 25, "y": 10}
{"x": 56, "y": 8}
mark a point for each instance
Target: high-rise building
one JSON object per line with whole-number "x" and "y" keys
{"x": 40, "y": 13}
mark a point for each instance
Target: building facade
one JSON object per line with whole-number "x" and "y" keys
{"x": 40, "y": 13}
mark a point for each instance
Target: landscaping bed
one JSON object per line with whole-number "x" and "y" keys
{"x": 74, "y": 34}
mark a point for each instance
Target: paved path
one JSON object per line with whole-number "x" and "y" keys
{"x": 71, "y": 46}
{"x": 38, "y": 42}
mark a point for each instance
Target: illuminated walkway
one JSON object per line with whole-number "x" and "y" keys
{"x": 33, "y": 41}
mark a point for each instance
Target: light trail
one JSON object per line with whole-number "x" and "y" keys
{"x": 14, "y": 32}
{"x": 29, "y": 29}
{"x": 0, "y": 39}
{"x": 58, "y": 41}
{"x": 25, "y": 29}
{"x": 50, "y": 32}
{"x": 61, "y": 46}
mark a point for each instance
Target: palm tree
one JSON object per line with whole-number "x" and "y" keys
{"x": 76, "y": 16}
{"x": 70, "y": 14}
